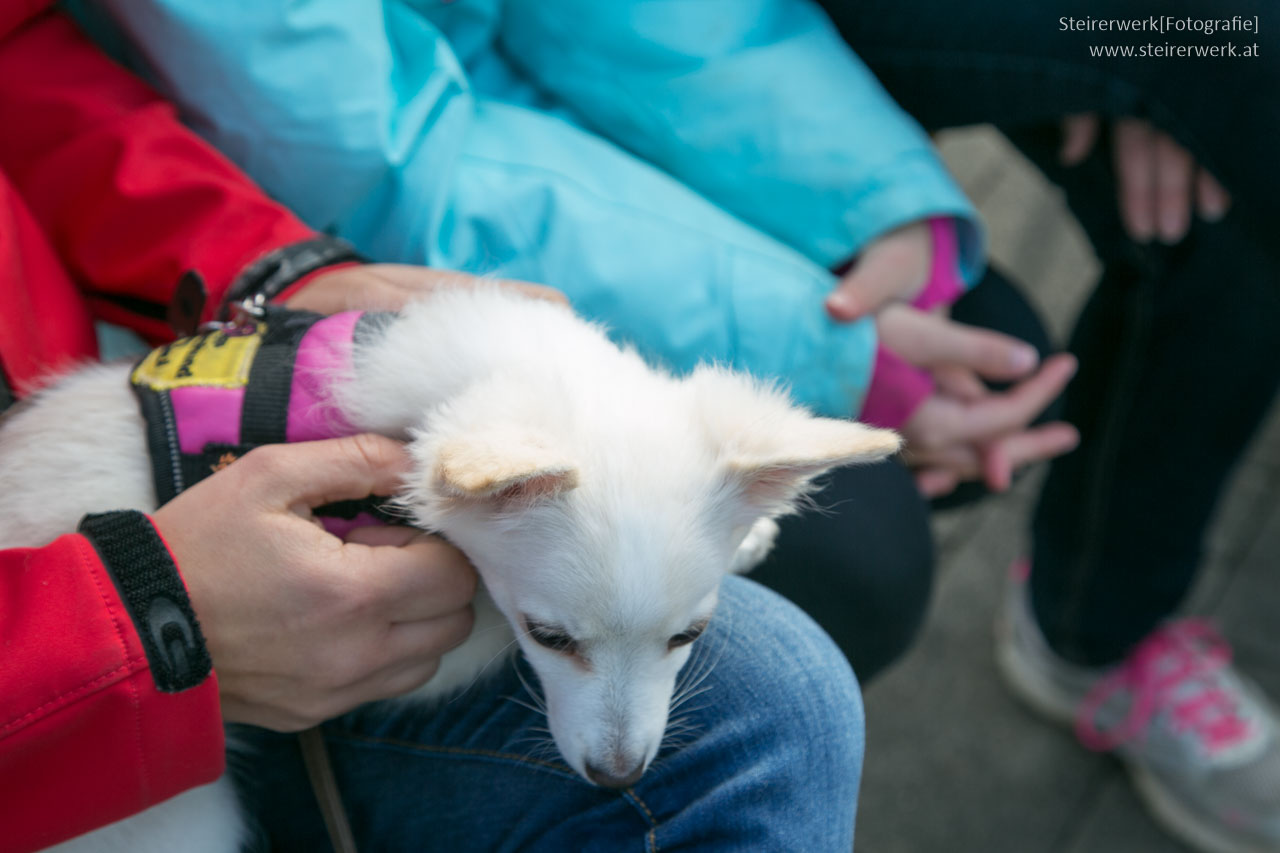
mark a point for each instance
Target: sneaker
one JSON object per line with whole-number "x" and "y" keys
{"x": 1200, "y": 741}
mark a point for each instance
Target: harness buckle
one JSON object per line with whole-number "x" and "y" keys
{"x": 245, "y": 316}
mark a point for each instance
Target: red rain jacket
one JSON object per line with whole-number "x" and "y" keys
{"x": 105, "y": 200}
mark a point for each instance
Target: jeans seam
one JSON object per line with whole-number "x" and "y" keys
{"x": 651, "y": 837}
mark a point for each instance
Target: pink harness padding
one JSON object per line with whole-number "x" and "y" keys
{"x": 211, "y": 415}
{"x": 206, "y": 415}
{"x": 324, "y": 352}
{"x": 341, "y": 527}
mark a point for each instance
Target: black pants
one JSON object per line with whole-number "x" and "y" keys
{"x": 1179, "y": 346}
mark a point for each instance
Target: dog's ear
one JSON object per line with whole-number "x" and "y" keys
{"x": 501, "y": 463}
{"x": 776, "y": 472}
{"x": 773, "y": 449}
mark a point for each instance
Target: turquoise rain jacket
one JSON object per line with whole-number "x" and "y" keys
{"x": 685, "y": 170}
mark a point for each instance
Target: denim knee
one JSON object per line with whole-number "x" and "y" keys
{"x": 765, "y": 755}
{"x": 786, "y": 738}
{"x": 795, "y": 679}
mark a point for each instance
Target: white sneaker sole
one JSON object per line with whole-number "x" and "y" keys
{"x": 1045, "y": 698}
{"x": 1026, "y": 681}
{"x": 1178, "y": 821}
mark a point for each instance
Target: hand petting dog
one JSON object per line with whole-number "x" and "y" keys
{"x": 371, "y": 615}
{"x": 369, "y": 618}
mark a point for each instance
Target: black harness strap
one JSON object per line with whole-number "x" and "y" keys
{"x": 264, "y": 417}
{"x": 162, "y": 443}
{"x": 266, "y": 398}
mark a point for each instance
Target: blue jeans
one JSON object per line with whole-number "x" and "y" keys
{"x": 768, "y": 757}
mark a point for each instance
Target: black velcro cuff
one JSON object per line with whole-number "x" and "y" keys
{"x": 153, "y": 593}
{"x": 272, "y": 273}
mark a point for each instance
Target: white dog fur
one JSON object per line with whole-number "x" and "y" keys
{"x": 595, "y": 495}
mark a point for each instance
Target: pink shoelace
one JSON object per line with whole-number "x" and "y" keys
{"x": 1173, "y": 668}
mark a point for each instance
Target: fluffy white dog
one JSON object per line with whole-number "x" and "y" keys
{"x": 600, "y": 500}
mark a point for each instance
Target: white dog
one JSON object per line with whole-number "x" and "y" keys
{"x": 601, "y": 502}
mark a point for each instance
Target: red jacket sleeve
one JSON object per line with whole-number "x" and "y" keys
{"x": 130, "y": 198}
{"x": 85, "y": 737}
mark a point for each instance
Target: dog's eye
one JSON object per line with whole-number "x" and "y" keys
{"x": 552, "y": 638}
{"x": 684, "y": 638}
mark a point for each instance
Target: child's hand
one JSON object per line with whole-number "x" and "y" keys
{"x": 892, "y": 268}
{"x": 965, "y": 431}
{"x": 1159, "y": 182}
{"x": 935, "y": 342}
{"x": 951, "y": 440}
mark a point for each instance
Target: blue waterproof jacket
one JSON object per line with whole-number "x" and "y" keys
{"x": 685, "y": 170}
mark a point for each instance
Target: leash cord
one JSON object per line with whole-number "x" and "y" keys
{"x": 325, "y": 787}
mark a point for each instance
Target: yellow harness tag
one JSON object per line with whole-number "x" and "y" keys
{"x": 214, "y": 360}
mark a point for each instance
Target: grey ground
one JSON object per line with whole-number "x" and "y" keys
{"x": 953, "y": 763}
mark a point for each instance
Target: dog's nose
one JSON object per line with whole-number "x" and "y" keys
{"x": 608, "y": 780}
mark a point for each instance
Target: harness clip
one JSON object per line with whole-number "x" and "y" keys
{"x": 244, "y": 319}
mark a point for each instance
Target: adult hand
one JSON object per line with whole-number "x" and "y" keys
{"x": 964, "y": 431}
{"x": 387, "y": 287}
{"x": 1159, "y": 181}
{"x": 303, "y": 626}
{"x": 892, "y": 268}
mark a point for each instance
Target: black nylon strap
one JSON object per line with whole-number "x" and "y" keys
{"x": 266, "y": 398}
{"x": 153, "y": 593}
{"x": 162, "y": 443}
{"x": 265, "y": 415}
{"x": 378, "y": 507}
{"x": 271, "y": 274}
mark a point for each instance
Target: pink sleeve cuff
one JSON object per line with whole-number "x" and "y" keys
{"x": 945, "y": 285}
{"x": 897, "y": 389}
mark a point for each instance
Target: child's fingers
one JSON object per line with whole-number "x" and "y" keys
{"x": 932, "y": 341}
{"x": 959, "y": 382}
{"x": 1136, "y": 167}
{"x": 1079, "y": 134}
{"x": 1001, "y": 414}
{"x": 1212, "y": 199}
{"x": 1175, "y": 172}
{"x": 990, "y": 354}
{"x": 938, "y": 472}
{"x": 936, "y": 482}
{"x": 891, "y": 268}
{"x": 1038, "y": 444}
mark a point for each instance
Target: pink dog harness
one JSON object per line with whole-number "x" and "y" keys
{"x": 210, "y": 398}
